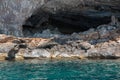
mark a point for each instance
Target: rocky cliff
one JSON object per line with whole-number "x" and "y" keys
{"x": 13, "y": 13}
{"x": 17, "y": 16}
{"x": 71, "y": 28}
{"x": 77, "y": 15}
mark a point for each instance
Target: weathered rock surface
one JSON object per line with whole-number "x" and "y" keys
{"x": 73, "y": 15}
{"x": 13, "y": 45}
{"x": 13, "y": 13}
{"x": 77, "y": 15}
{"x": 100, "y": 43}
{"x": 37, "y": 53}
{"x": 106, "y": 50}
{"x": 6, "y": 43}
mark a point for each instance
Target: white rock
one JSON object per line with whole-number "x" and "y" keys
{"x": 37, "y": 53}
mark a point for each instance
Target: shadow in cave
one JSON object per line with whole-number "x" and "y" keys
{"x": 67, "y": 22}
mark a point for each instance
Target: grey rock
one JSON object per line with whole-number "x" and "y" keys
{"x": 104, "y": 30}
{"x": 77, "y": 15}
{"x": 6, "y": 47}
{"x": 37, "y": 53}
{"x": 85, "y": 45}
{"x": 13, "y": 13}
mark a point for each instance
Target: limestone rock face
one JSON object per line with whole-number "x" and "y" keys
{"x": 77, "y": 15}
{"x": 13, "y": 13}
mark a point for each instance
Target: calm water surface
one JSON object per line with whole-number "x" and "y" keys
{"x": 60, "y": 70}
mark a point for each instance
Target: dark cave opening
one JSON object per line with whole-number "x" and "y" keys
{"x": 66, "y": 22}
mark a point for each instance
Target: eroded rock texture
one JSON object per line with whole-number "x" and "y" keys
{"x": 100, "y": 43}
{"x": 13, "y": 13}
{"x": 77, "y": 15}
{"x": 18, "y": 17}
{"x": 74, "y": 15}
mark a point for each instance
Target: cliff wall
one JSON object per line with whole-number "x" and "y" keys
{"x": 78, "y": 15}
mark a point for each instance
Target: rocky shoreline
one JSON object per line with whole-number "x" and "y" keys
{"x": 100, "y": 43}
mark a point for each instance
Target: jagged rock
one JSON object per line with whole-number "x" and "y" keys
{"x": 104, "y": 31}
{"x": 15, "y": 47}
{"x": 106, "y": 45}
{"x": 89, "y": 35}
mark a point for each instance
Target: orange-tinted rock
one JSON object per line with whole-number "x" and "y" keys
{"x": 35, "y": 42}
{"x": 6, "y": 38}
{"x": 20, "y": 54}
{"x": 3, "y": 56}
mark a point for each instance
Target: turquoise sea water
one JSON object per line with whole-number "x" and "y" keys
{"x": 60, "y": 70}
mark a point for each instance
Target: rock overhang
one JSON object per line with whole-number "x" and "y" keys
{"x": 77, "y": 15}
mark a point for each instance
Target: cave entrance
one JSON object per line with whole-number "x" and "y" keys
{"x": 65, "y": 22}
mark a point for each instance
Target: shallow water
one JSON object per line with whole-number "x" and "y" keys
{"x": 60, "y": 70}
